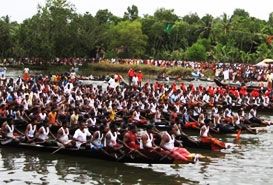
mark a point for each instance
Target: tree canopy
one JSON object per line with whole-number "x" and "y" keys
{"x": 57, "y": 30}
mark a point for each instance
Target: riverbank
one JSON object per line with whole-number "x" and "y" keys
{"x": 108, "y": 68}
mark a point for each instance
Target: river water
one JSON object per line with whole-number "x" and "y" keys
{"x": 251, "y": 162}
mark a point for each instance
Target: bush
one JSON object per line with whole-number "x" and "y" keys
{"x": 197, "y": 52}
{"x": 179, "y": 71}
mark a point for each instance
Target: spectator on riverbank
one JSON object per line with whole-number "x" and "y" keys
{"x": 139, "y": 78}
{"x": 131, "y": 74}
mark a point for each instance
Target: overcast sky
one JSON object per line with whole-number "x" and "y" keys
{"x": 19, "y": 10}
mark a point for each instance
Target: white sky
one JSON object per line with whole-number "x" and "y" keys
{"x": 19, "y": 10}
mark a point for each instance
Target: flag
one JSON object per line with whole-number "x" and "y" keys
{"x": 168, "y": 27}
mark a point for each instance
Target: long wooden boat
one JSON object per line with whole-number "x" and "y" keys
{"x": 160, "y": 78}
{"x": 131, "y": 157}
{"x": 227, "y": 130}
{"x": 260, "y": 109}
{"x": 237, "y": 86}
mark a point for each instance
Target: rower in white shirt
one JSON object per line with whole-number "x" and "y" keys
{"x": 81, "y": 134}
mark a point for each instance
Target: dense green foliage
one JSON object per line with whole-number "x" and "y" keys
{"x": 58, "y": 31}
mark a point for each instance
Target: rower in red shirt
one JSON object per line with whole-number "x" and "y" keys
{"x": 243, "y": 91}
{"x": 174, "y": 87}
{"x": 130, "y": 138}
{"x": 211, "y": 91}
{"x": 255, "y": 93}
{"x": 183, "y": 87}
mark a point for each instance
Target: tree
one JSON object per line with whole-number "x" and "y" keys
{"x": 165, "y": 15}
{"x": 270, "y": 19}
{"x": 191, "y": 18}
{"x": 104, "y": 16}
{"x": 128, "y": 39}
{"x": 131, "y": 14}
{"x": 197, "y": 52}
{"x": 205, "y": 26}
{"x": 48, "y": 33}
{"x": 240, "y": 12}
{"x": 56, "y": 30}
{"x": 6, "y": 42}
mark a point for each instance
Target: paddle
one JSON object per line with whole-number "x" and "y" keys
{"x": 19, "y": 131}
{"x": 58, "y": 149}
{"x": 4, "y": 142}
{"x": 52, "y": 135}
{"x": 165, "y": 156}
{"x": 133, "y": 150}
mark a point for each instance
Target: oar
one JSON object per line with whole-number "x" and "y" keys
{"x": 4, "y": 142}
{"x": 58, "y": 149}
{"x": 134, "y": 150}
{"x": 19, "y": 131}
{"x": 165, "y": 156}
{"x": 52, "y": 135}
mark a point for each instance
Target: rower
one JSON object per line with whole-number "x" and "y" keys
{"x": 63, "y": 135}
{"x": 42, "y": 134}
{"x": 111, "y": 136}
{"x": 168, "y": 141}
{"x": 7, "y": 130}
{"x": 252, "y": 117}
{"x": 81, "y": 134}
{"x": 206, "y": 138}
{"x": 189, "y": 121}
{"x": 130, "y": 138}
{"x": 29, "y": 132}
{"x": 239, "y": 124}
{"x": 147, "y": 139}
{"x": 96, "y": 141}
{"x": 137, "y": 118}
{"x": 52, "y": 118}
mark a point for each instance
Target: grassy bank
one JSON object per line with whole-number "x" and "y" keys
{"x": 123, "y": 68}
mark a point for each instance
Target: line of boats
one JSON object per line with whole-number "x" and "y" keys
{"x": 131, "y": 156}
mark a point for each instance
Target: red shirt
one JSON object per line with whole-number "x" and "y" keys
{"x": 131, "y": 73}
{"x": 131, "y": 140}
{"x": 254, "y": 93}
{"x": 174, "y": 87}
{"x": 183, "y": 87}
{"x": 211, "y": 91}
{"x": 139, "y": 76}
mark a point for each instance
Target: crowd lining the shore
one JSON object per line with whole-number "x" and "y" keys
{"x": 232, "y": 72}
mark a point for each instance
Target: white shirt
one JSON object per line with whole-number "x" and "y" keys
{"x": 170, "y": 144}
{"x": 226, "y": 74}
{"x": 81, "y": 136}
{"x": 112, "y": 83}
